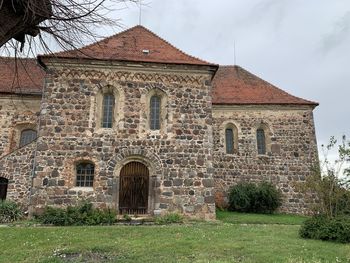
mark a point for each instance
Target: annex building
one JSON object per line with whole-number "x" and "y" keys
{"x": 135, "y": 124}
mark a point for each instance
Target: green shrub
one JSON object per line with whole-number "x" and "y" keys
{"x": 344, "y": 203}
{"x": 267, "y": 198}
{"x": 251, "y": 198}
{"x": 321, "y": 227}
{"x": 241, "y": 197}
{"x": 9, "y": 212}
{"x": 84, "y": 214}
{"x": 170, "y": 218}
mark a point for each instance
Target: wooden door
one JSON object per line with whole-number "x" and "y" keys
{"x": 3, "y": 188}
{"x": 133, "y": 190}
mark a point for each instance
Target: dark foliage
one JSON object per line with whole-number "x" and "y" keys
{"x": 9, "y": 212}
{"x": 344, "y": 203}
{"x": 84, "y": 214}
{"x": 252, "y": 198}
{"x": 332, "y": 229}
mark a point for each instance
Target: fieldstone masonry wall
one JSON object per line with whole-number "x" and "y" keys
{"x": 17, "y": 112}
{"x": 293, "y": 150}
{"x": 17, "y": 167}
{"x": 186, "y": 158}
{"x": 179, "y": 156}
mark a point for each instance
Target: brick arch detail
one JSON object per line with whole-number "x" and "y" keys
{"x": 5, "y": 176}
{"x": 150, "y": 159}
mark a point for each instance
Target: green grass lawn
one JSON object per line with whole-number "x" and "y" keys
{"x": 244, "y": 218}
{"x": 235, "y": 238}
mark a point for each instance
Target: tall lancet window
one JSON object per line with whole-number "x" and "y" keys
{"x": 107, "y": 110}
{"x": 261, "y": 142}
{"x": 3, "y": 188}
{"x": 229, "y": 140}
{"x": 155, "y": 113}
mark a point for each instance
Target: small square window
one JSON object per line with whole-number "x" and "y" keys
{"x": 85, "y": 174}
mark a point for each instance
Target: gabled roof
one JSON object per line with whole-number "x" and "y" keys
{"x": 20, "y": 76}
{"x": 135, "y": 44}
{"x": 235, "y": 85}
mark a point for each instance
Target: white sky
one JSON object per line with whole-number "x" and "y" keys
{"x": 300, "y": 46}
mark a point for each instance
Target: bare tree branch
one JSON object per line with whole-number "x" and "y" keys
{"x": 67, "y": 24}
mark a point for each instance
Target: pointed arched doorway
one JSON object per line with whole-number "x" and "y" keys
{"x": 3, "y": 188}
{"x": 134, "y": 188}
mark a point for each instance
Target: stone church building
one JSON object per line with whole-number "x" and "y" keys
{"x": 135, "y": 124}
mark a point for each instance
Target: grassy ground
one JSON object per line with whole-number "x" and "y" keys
{"x": 225, "y": 241}
{"x": 243, "y": 218}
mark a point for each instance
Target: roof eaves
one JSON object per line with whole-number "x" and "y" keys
{"x": 314, "y": 104}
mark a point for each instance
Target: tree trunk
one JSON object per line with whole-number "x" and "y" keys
{"x": 20, "y": 18}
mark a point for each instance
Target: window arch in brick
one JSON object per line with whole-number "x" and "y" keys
{"x": 85, "y": 172}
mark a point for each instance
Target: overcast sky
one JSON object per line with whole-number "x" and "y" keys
{"x": 300, "y": 46}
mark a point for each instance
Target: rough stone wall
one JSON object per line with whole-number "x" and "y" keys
{"x": 17, "y": 168}
{"x": 178, "y": 156}
{"x": 181, "y": 156}
{"x": 17, "y": 112}
{"x": 291, "y": 155}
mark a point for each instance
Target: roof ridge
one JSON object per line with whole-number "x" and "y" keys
{"x": 171, "y": 44}
{"x": 229, "y": 66}
{"x": 107, "y": 48}
{"x": 94, "y": 43}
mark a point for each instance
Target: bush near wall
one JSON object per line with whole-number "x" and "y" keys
{"x": 330, "y": 181}
{"x": 9, "y": 212}
{"x": 254, "y": 198}
{"x": 321, "y": 227}
{"x": 83, "y": 214}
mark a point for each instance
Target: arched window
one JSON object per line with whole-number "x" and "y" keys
{"x": 155, "y": 104}
{"x": 229, "y": 139}
{"x": 27, "y": 136}
{"x": 3, "y": 188}
{"x": 107, "y": 110}
{"x": 261, "y": 141}
{"x": 85, "y": 174}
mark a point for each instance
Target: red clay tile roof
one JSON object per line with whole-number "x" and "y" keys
{"x": 132, "y": 45}
{"x": 231, "y": 84}
{"x": 22, "y": 76}
{"x": 235, "y": 85}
